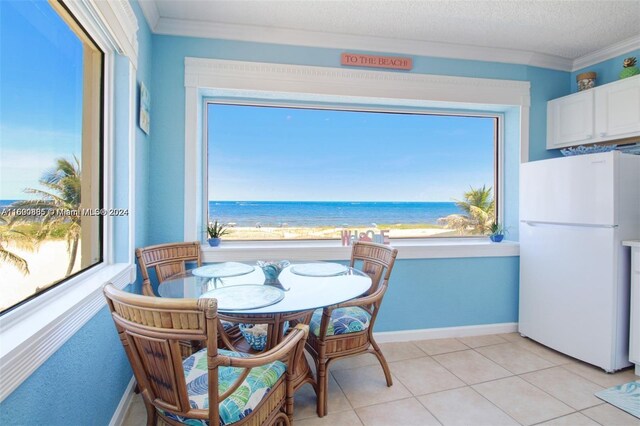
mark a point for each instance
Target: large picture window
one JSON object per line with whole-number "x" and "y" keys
{"x": 310, "y": 173}
{"x": 51, "y": 199}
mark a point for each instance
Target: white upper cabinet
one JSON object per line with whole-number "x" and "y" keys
{"x": 604, "y": 113}
{"x": 570, "y": 120}
{"x": 618, "y": 109}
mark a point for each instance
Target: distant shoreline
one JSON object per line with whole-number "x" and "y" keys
{"x": 330, "y": 213}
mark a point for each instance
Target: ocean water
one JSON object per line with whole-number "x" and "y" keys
{"x": 7, "y": 203}
{"x": 320, "y": 213}
{"x": 307, "y": 213}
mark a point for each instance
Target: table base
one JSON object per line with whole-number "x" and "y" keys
{"x": 275, "y": 335}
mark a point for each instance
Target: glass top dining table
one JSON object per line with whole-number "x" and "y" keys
{"x": 300, "y": 292}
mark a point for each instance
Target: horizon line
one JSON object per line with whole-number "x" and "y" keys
{"x": 329, "y": 201}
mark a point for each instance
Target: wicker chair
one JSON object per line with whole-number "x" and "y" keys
{"x": 170, "y": 259}
{"x": 212, "y": 387}
{"x": 167, "y": 259}
{"x": 347, "y": 329}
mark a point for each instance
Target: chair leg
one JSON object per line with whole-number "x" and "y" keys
{"x": 322, "y": 378}
{"x": 152, "y": 415}
{"x": 383, "y": 362}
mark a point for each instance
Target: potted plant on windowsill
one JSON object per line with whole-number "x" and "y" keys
{"x": 215, "y": 231}
{"x": 497, "y": 232}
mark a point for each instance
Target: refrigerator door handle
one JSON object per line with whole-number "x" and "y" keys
{"x": 581, "y": 225}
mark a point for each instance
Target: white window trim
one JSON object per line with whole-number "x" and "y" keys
{"x": 203, "y": 75}
{"x": 32, "y": 332}
{"x": 308, "y": 250}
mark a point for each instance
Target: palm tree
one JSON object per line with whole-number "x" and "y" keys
{"x": 20, "y": 239}
{"x": 63, "y": 194}
{"x": 479, "y": 208}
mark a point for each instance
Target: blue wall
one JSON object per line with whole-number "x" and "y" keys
{"x": 143, "y": 141}
{"x": 83, "y": 382}
{"x": 432, "y": 293}
{"x": 608, "y": 71}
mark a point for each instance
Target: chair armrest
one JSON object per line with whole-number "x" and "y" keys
{"x": 282, "y": 350}
{"x": 366, "y": 300}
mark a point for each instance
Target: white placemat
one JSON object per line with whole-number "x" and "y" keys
{"x": 221, "y": 270}
{"x": 320, "y": 269}
{"x": 241, "y": 297}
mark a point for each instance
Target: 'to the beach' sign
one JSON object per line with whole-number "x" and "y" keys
{"x": 391, "y": 62}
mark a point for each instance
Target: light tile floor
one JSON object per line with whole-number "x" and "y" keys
{"x": 481, "y": 380}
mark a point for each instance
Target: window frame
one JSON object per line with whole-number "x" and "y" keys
{"x": 33, "y": 331}
{"x": 94, "y": 117}
{"x": 498, "y": 148}
{"x": 230, "y": 79}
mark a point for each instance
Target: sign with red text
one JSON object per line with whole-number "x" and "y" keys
{"x": 391, "y": 62}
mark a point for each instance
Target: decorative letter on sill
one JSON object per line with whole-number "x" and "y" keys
{"x": 349, "y": 237}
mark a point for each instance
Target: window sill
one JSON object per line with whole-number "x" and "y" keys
{"x": 33, "y": 332}
{"x": 332, "y": 250}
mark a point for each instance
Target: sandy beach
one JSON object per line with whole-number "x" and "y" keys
{"x": 314, "y": 233}
{"x": 47, "y": 264}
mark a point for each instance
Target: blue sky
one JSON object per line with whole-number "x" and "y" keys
{"x": 288, "y": 154}
{"x": 40, "y": 94}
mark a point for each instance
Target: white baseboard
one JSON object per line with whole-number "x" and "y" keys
{"x": 123, "y": 406}
{"x": 445, "y": 332}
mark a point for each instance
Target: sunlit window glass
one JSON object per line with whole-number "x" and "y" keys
{"x": 50, "y": 149}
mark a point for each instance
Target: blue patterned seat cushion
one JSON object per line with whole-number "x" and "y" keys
{"x": 241, "y": 402}
{"x": 226, "y": 325}
{"x": 343, "y": 321}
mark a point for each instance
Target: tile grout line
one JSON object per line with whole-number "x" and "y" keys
{"x": 427, "y": 408}
{"x": 577, "y": 410}
{"x": 471, "y": 384}
{"x": 586, "y": 378}
{"x": 387, "y": 402}
{"x": 501, "y": 378}
{"x": 492, "y": 403}
{"x": 341, "y": 390}
{"x": 588, "y": 416}
{"x": 530, "y": 352}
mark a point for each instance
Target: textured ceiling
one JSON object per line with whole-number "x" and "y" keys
{"x": 568, "y": 29}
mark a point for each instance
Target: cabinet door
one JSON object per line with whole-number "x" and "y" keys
{"x": 570, "y": 120}
{"x": 618, "y": 109}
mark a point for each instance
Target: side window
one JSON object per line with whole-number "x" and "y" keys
{"x": 51, "y": 149}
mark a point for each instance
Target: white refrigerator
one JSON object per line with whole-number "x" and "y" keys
{"x": 574, "y": 271}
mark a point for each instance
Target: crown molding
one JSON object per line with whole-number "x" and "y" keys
{"x": 201, "y": 29}
{"x": 151, "y": 13}
{"x": 617, "y": 49}
{"x": 250, "y": 33}
{"x": 113, "y": 23}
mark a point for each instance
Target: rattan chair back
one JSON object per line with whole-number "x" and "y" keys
{"x": 167, "y": 259}
{"x": 150, "y": 330}
{"x": 375, "y": 260}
